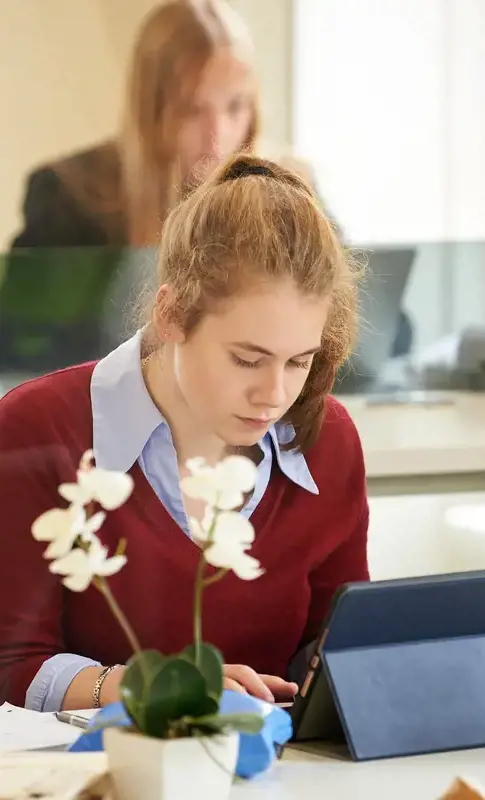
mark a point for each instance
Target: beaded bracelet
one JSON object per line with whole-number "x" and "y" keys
{"x": 99, "y": 683}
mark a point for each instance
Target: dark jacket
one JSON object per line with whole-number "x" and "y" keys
{"x": 55, "y": 217}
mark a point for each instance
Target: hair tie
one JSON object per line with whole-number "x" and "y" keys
{"x": 242, "y": 169}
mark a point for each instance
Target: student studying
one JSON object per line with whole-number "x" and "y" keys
{"x": 237, "y": 353}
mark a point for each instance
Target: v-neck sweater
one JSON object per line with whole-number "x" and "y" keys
{"x": 307, "y": 544}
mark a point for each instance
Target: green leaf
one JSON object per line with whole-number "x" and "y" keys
{"x": 140, "y": 673}
{"x": 211, "y": 665}
{"x": 178, "y": 690}
{"x": 244, "y": 723}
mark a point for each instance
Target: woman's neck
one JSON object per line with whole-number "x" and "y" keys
{"x": 188, "y": 438}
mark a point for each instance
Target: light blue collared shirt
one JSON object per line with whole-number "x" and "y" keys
{"x": 118, "y": 395}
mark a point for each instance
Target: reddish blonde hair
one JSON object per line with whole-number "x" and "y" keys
{"x": 174, "y": 45}
{"x": 255, "y": 220}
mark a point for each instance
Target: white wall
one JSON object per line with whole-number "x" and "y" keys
{"x": 370, "y": 111}
{"x": 271, "y": 25}
{"x": 390, "y": 101}
{"x": 59, "y": 85}
{"x": 390, "y": 106}
{"x": 466, "y": 117}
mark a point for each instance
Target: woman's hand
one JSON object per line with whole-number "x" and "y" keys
{"x": 243, "y": 679}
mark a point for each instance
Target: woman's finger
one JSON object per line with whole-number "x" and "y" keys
{"x": 234, "y": 686}
{"x": 250, "y": 679}
{"x": 281, "y": 689}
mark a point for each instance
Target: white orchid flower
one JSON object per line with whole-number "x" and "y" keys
{"x": 80, "y": 566}
{"x": 236, "y": 472}
{"x": 229, "y": 535}
{"x": 228, "y": 524}
{"x": 222, "y": 486}
{"x": 201, "y": 487}
{"x": 53, "y": 524}
{"x": 246, "y": 567}
{"x": 228, "y": 555}
{"x": 62, "y": 526}
{"x": 201, "y": 530}
{"x": 108, "y": 488}
{"x": 86, "y": 460}
{"x": 196, "y": 465}
{"x": 82, "y": 527}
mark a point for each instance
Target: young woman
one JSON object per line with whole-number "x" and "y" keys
{"x": 254, "y": 314}
{"x": 191, "y": 100}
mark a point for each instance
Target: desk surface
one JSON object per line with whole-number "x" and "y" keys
{"x": 299, "y": 775}
{"x": 421, "y": 440}
{"x": 422, "y": 778}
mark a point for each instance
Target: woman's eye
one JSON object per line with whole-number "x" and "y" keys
{"x": 241, "y": 362}
{"x": 300, "y": 364}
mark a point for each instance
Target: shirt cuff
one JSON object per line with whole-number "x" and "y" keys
{"x": 47, "y": 690}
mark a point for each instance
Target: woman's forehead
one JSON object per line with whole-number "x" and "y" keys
{"x": 223, "y": 71}
{"x": 277, "y": 318}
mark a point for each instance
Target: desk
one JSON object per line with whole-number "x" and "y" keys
{"x": 414, "y": 449}
{"x": 301, "y": 776}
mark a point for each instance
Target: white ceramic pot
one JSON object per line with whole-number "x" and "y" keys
{"x": 143, "y": 768}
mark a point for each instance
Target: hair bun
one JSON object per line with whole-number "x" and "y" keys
{"x": 242, "y": 168}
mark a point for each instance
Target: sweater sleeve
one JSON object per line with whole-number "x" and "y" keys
{"x": 30, "y": 596}
{"x": 47, "y": 690}
{"x": 347, "y": 562}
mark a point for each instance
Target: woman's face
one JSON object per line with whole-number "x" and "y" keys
{"x": 243, "y": 367}
{"x": 217, "y": 122}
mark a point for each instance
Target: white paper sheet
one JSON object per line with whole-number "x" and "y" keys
{"x": 21, "y": 730}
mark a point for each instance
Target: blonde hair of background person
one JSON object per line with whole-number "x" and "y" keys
{"x": 254, "y": 313}
{"x": 191, "y": 101}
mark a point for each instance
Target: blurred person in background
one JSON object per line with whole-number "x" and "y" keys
{"x": 191, "y": 101}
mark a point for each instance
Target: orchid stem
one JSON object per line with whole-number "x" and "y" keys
{"x": 215, "y": 578}
{"x": 199, "y": 588}
{"x": 102, "y": 586}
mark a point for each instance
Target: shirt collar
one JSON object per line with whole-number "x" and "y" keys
{"x": 124, "y": 415}
{"x": 124, "y": 418}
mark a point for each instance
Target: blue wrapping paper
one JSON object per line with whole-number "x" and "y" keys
{"x": 256, "y": 752}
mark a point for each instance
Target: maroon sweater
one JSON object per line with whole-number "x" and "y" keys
{"x": 308, "y": 545}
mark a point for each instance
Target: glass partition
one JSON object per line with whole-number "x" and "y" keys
{"x": 62, "y": 306}
{"x": 422, "y": 323}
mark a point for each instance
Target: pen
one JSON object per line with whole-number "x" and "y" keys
{"x": 72, "y": 719}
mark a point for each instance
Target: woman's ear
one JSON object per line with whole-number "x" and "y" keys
{"x": 165, "y": 318}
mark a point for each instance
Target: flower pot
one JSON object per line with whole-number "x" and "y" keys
{"x": 170, "y": 769}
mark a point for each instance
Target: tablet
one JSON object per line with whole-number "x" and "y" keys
{"x": 313, "y": 712}
{"x": 388, "y": 655}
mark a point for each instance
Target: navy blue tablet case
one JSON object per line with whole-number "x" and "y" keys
{"x": 400, "y": 669}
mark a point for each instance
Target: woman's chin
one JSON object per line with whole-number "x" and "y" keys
{"x": 242, "y": 435}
